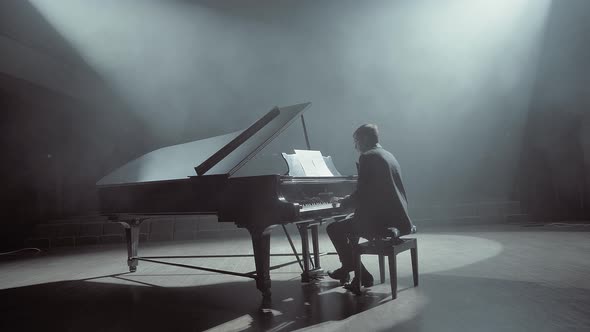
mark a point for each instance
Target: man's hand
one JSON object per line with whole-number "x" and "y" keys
{"x": 340, "y": 201}
{"x": 335, "y": 201}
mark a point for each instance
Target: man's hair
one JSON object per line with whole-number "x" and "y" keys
{"x": 368, "y": 132}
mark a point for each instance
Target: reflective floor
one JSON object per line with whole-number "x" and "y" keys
{"x": 483, "y": 278}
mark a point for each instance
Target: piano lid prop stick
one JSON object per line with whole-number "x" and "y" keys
{"x": 236, "y": 142}
{"x": 305, "y": 132}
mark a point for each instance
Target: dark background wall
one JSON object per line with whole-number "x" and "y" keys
{"x": 464, "y": 95}
{"x": 61, "y": 126}
{"x": 555, "y": 174}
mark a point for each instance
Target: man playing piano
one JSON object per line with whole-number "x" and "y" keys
{"x": 379, "y": 202}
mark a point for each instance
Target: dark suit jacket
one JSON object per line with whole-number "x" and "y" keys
{"x": 380, "y": 198}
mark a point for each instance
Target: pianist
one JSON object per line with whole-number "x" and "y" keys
{"x": 379, "y": 202}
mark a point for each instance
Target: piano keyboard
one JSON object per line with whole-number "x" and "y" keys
{"x": 316, "y": 206}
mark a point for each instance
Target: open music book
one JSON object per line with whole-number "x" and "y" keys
{"x": 310, "y": 163}
{"x": 313, "y": 163}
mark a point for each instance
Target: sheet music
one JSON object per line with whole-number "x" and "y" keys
{"x": 313, "y": 163}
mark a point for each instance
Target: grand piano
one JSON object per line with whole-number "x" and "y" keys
{"x": 202, "y": 177}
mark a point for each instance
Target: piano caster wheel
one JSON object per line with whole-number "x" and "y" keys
{"x": 132, "y": 264}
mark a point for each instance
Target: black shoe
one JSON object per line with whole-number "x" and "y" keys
{"x": 354, "y": 286}
{"x": 340, "y": 274}
{"x": 368, "y": 281}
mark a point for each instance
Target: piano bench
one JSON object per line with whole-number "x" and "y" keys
{"x": 388, "y": 245}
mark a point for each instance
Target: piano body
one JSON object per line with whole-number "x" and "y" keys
{"x": 152, "y": 185}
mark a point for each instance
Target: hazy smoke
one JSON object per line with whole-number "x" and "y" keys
{"x": 448, "y": 82}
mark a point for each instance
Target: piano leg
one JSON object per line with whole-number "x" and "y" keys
{"x": 316, "y": 245}
{"x": 132, "y": 238}
{"x": 305, "y": 277}
{"x": 261, "y": 246}
{"x": 315, "y": 272}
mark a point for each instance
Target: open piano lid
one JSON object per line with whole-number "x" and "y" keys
{"x": 217, "y": 155}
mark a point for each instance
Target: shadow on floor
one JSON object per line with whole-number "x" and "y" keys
{"x": 440, "y": 303}
{"x": 105, "y": 304}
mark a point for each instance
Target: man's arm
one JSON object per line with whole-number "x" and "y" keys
{"x": 351, "y": 200}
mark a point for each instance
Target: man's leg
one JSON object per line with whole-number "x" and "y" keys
{"x": 342, "y": 234}
{"x": 339, "y": 232}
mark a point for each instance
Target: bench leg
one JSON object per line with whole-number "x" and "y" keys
{"x": 382, "y": 268}
{"x": 414, "y": 254}
{"x": 393, "y": 275}
{"x": 358, "y": 272}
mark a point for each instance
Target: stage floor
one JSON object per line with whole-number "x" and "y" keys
{"x": 477, "y": 278}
